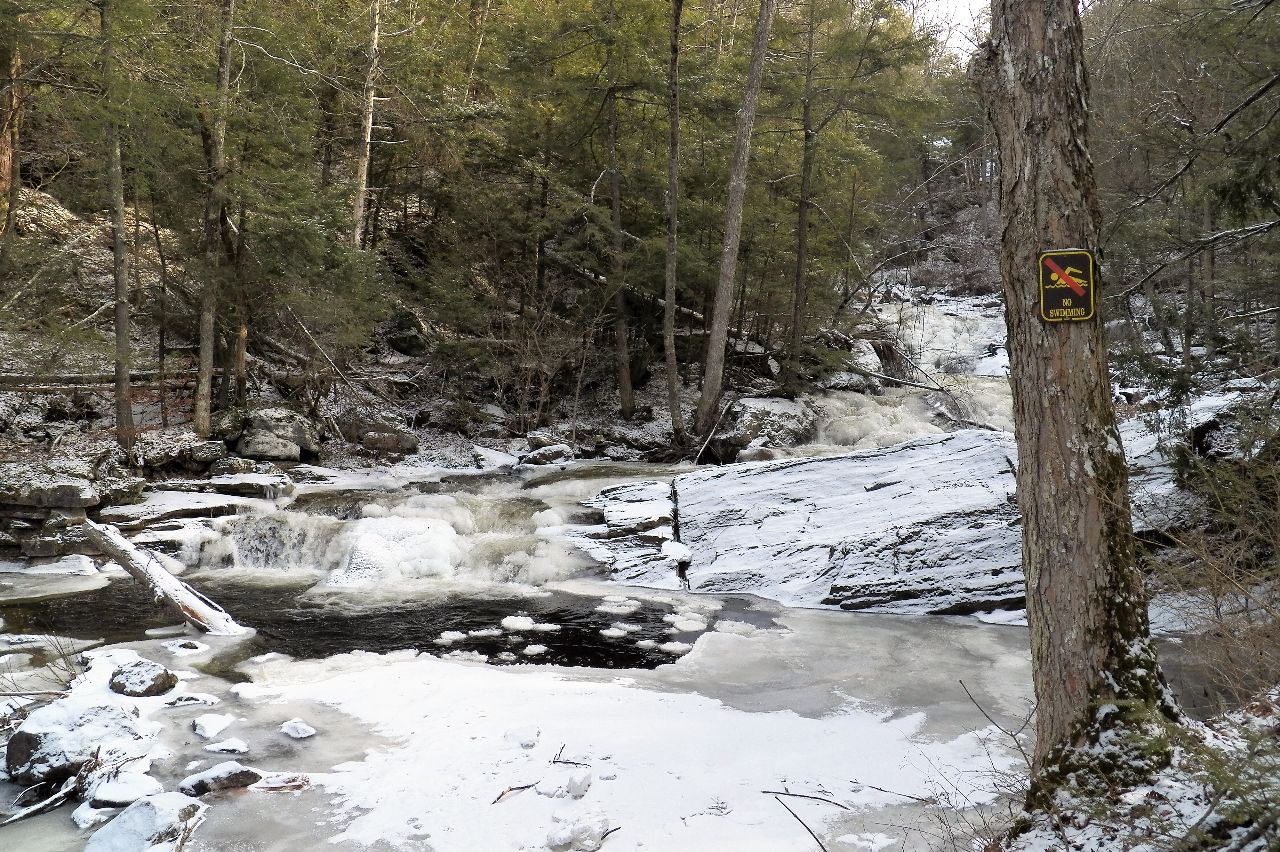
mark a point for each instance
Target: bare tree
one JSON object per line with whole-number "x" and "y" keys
{"x": 713, "y": 372}
{"x": 367, "y": 102}
{"x": 1094, "y": 668}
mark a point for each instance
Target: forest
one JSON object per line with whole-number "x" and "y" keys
{"x": 587, "y": 335}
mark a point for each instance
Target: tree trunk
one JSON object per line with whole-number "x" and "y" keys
{"x": 119, "y": 247}
{"x": 366, "y": 126}
{"x": 673, "y": 227}
{"x": 617, "y": 275}
{"x": 713, "y": 372}
{"x": 1086, "y": 608}
{"x": 215, "y": 214}
{"x": 799, "y": 294}
{"x": 10, "y": 115}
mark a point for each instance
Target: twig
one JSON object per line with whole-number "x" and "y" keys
{"x": 558, "y": 759}
{"x": 806, "y": 796}
{"x": 511, "y": 790}
{"x": 610, "y": 831}
{"x": 919, "y": 799}
{"x": 1013, "y": 735}
{"x": 802, "y": 822}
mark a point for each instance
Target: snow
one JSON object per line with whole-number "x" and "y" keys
{"x": 209, "y": 725}
{"x": 231, "y": 746}
{"x": 159, "y": 823}
{"x": 297, "y": 729}
{"x": 678, "y": 774}
{"x": 168, "y": 505}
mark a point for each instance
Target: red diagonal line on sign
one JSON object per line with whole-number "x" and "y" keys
{"x": 1066, "y": 279}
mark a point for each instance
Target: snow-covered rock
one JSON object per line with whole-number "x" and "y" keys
{"x": 580, "y": 832}
{"x": 142, "y": 679}
{"x": 231, "y": 746}
{"x": 123, "y": 789}
{"x": 223, "y": 776}
{"x": 209, "y": 725}
{"x": 926, "y": 526}
{"x": 171, "y": 505}
{"x": 297, "y": 729}
{"x": 278, "y": 434}
{"x": 635, "y": 507}
{"x": 160, "y": 823}
{"x": 54, "y": 741}
{"x": 764, "y": 421}
{"x": 553, "y": 454}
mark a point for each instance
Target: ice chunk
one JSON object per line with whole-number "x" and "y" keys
{"x": 211, "y": 724}
{"x": 517, "y": 623}
{"x": 297, "y": 729}
{"x": 231, "y": 746}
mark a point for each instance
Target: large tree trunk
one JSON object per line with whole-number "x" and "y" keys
{"x": 713, "y": 372}
{"x": 621, "y": 335}
{"x": 366, "y": 126}
{"x": 673, "y": 227}
{"x": 215, "y": 214}
{"x": 119, "y": 249}
{"x": 1092, "y": 660}
{"x": 799, "y": 292}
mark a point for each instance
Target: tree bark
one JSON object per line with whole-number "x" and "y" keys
{"x": 1092, "y": 659}
{"x": 10, "y": 116}
{"x": 119, "y": 248}
{"x": 621, "y": 335}
{"x": 673, "y": 227}
{"x": 366, "y": 126}
{"x": 713, "y": 372}
{"x": 215, "y": 214}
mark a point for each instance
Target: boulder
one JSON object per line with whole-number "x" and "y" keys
{"x": 231, "y": 465}
{"x": 122, "y": 789}
{"x": 228, "y": 775}
{"x": 376, "y": 434}
{"x": 541, "y": 440}
{"x": 256, "y": 444}
{"x": 227, "y": 425}
{"x": 142, "y": 679}
{"x": 54, "y": 741}
{"x": 160, "y": 823}
{"x": 178, "y": 451}
{"x": 210, "y": 725}
{"x": 764, "y": 421}
{"x": 409, "y": 341}
{"x": 552, "y": 454}
{"x": 297, "y": 729}
{"x": 278, "y": 434}
{"x": 34, "y": 485}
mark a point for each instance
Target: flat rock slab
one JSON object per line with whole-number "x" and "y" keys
{"x": 929, "y": 526}
{"x": 171, "y": 505}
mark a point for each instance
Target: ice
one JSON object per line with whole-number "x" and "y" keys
{"x": 297, "y": 729}
{"x": 448, "y": 637}
{"x": 613, "y": 633}
{"x": 675, "y": 647}
{"x": 231, "y": 746}
{"x": 534, "y": 650}
{"x": 185, "y": 647}
{"x": 210, "y": 725}
{"x": 517, "y": 623}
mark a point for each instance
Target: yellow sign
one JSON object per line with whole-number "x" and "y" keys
{"x": 1066, "y": 285}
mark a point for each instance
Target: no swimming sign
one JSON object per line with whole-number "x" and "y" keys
{"x": 1066, "y": 285}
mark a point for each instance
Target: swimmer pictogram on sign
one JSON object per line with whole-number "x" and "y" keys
{"x": 1066, "y": 285}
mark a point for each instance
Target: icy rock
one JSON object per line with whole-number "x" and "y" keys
{"x": 123, "y": 790}
{"x": 178, "y": 451}
{"x": 231, "y": 746}
{"x": 264, "y": 445}
{"x": 286, "y": 424}
{"x": 142, "y": 679}
{"x": 55, "y": 740}
{"x": 87, "y": 817}
{"x": 928, "y": 526}
{"x": 297, "y": 729}
{"x": 374, "y": 433}
{"x": 775, "y": 422}
{"x": 160, "y": 823}
{"x": 549, "y": 455}
{"x": 29, "y": 485}
{"x": 635, "y": 507}
{"x": 578, "y": 832}
{"x": 184, "y": 647}
{"x": 211, "y": 724}
{"x": 222, "y": 776}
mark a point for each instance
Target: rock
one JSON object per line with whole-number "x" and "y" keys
{"x": 227, "y": 425}
{"x": 635, "y": 507}
{"x": 170, "y": 505}
{"x": 928, "y": 526}
{"x": 769, "y": 421}
{"x": 279, "y": 434}
{"x": 87, "y": 817}
{"x": 160, "y": 823}
{"x": 33, "y": 485}
{"x": 55, "y": 740}
{"x": 142, "y": 679}
{"x": 178, "y": 452}
{"x": 552, "y": 454}
{"x": 211, "y": 724}
{"x": 376, "y": 434}
{"x": 223, "y": 776}
{"x": 231, "y": 465}
{"x": 257, "y": 444}
{"x": 266, "y": 485}
{"x": 123, "y": 790}
{"x": 541, "y": 440}
{"x": 297, "y": 729}
{"x": 409, "y": 341}
{"x": 231, "y": 746}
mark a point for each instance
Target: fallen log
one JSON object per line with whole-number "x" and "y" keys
{"x": 143, "y": 566}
